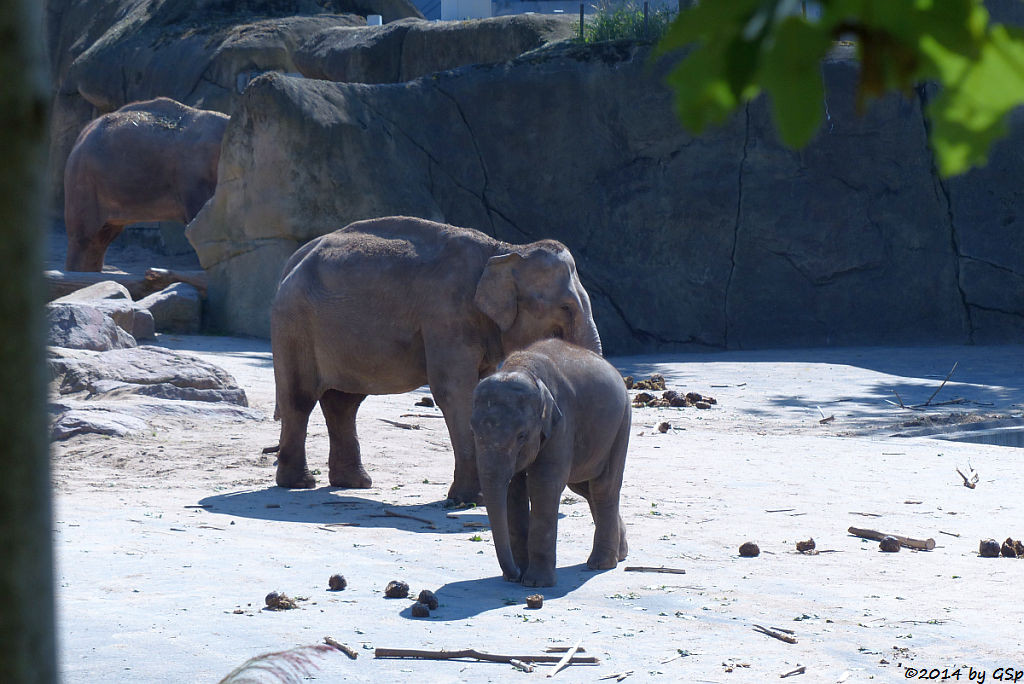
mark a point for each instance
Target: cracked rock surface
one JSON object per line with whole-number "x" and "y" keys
{"x": 727, "y": 240}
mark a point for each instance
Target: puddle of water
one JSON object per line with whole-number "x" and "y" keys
{"x": 1010, "y": 436}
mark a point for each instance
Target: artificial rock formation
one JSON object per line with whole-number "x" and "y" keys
{"x": 723, "y": 240}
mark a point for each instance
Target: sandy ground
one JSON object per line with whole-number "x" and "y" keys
{"x": 167, "y": 542}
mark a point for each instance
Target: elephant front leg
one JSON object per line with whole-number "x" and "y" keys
{"x": 345, "y": 462}
{"x": 453, "y": 392}
{"x": 544, "y": 496}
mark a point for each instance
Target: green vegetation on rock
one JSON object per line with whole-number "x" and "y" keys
{"x": 627, "y": 22}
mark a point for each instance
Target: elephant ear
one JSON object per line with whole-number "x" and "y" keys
{"x": 550, "y": 414}
{"x": 496, "y": 291}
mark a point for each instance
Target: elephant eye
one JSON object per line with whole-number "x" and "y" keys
{"x": 521, "y": 438}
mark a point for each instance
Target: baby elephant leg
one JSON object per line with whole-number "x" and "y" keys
{"x": 602, "y": 493}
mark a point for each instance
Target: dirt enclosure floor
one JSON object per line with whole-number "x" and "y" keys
{"x": 167, "y": 542}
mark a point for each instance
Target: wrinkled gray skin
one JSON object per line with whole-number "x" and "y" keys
{"x": 554, "y": 414}
{"x": 386, "y": 305}
{"x": 149, "y": 161}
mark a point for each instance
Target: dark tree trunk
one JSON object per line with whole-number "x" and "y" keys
{"x": 27, "y": 650}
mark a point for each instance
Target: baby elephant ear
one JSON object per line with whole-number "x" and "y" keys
{"x": 496, "y": 290}
{"x": 550, "y": 414}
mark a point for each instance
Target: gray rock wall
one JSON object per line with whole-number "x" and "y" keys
{"x": 723, "y": 240}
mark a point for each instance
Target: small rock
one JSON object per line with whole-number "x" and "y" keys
{"x": 428, "y": 598}
{"x": 629, "y": 381}
{"x": 988, "y": 548}
{"x": 81, "y": 326}
{"x": 805, "y": 546}
{"x": 337, "y": 583}
{"x": 425, "y": 401}
{"x": 664, "y": 427}
{"x": 176, "y": 309}
{"x": 889, "y": 544}
{"x": 643, "y": 399}
{"x": 534, "y": 601}
{"x": 278, "y": 601}
{"x": 1008, "y": 549}
{"x": 420, "y": 610}
{"x": 702, "y": 404}
{"x": 749, "y": 550}
{"x": 396, "y": 589}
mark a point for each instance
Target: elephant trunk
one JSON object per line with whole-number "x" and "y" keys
{"x": 496, "y": 499}
{"x": 587, "y": 335}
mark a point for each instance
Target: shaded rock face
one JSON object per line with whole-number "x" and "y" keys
{"x": 107, "y": 53}
{"x": 122, "y": 392}
{"x": 408, "y": 49}
{"x": 725, "y": 240}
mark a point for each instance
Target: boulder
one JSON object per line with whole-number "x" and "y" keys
{"x": 109, "y": 297}
{"x": 107, "y": 53}
{"x": 177, "y": 308}
{"x": 726, "y": 240}
{"x": 75, "y": 325}
{"x": 410, "y": 48}
{"x": 107, "y": 373}
{"x": 124, "y": 391}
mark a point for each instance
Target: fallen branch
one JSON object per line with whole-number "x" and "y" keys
{"x": 566, "y": 658}
{"x": 824, "y": 420}
{"x": 928, "y": 403}
{"x": 617, "y": 676}
{"x": 396, "y": 514}
{"x": 970, "y": 484}
{"x": 798, "y": 671}
{"x": 780, "y": 510}
{"x": 478, "y": 655}
{"x": 347, "y": 650}
{"x": 951, "y": 534}
{"x": 644, "y": 568}
{"x": 272, "y": 449}
{"x": 900, "y": 399}
{"x": 421, "y": 415}
{"x": 775, "y": 634}
{"x": 520, "y": 665}
{"x": 404, "y": 426}
{"x": 919, "y": 544}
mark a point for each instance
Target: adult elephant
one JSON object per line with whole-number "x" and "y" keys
{"x": 386, "y": 305}
{"x": 148, "y": 161}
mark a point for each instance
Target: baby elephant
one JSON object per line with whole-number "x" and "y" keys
{"x": 553, "y": 414}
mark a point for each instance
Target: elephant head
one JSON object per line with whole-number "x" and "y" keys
{"x": 513, "y": 413}
{"x": 535, "y": 293}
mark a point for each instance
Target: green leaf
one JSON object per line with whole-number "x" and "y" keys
{"x": 791, "y": 71}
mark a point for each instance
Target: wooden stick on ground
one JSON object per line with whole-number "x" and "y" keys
{"x": 919, "y": 544}
{"x": 970, "y": 484}
{"x": 478, "y": 655}
{"x": 940, "y": 386}
{"x": 798, "y": 671}
{"x": 566, "y": 658}
{"x": 775, "y": 634}
{"x": 396, "y": 514}
{"x": 520, "y": 665}
{"x": 404, "y": 426}
{"x": 347, "y": 650}
{"x": 645, "y": 568}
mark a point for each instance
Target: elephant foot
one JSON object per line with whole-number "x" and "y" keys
{"x": 295, "y": 479}
{"x": 603, "y": 560}
{"x": 539, "y": 578}
{"x": 457, "y": 497}
{"x": 351, "y": 478}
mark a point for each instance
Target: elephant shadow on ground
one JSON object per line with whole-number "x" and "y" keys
{"x": 331, "y": 506}
{"x": 469, "y": 598}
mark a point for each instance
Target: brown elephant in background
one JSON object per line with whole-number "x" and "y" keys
{"x": 386, "y": 305}
{"x": 553, "y": 415}
{"x": 148, "y": 161}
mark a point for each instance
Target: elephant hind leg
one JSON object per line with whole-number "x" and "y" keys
{"x": 345, "y": 463}
{"x": 292, "y": 471}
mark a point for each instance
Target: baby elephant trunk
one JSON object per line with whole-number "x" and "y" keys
{"x": 495, "y": 498}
